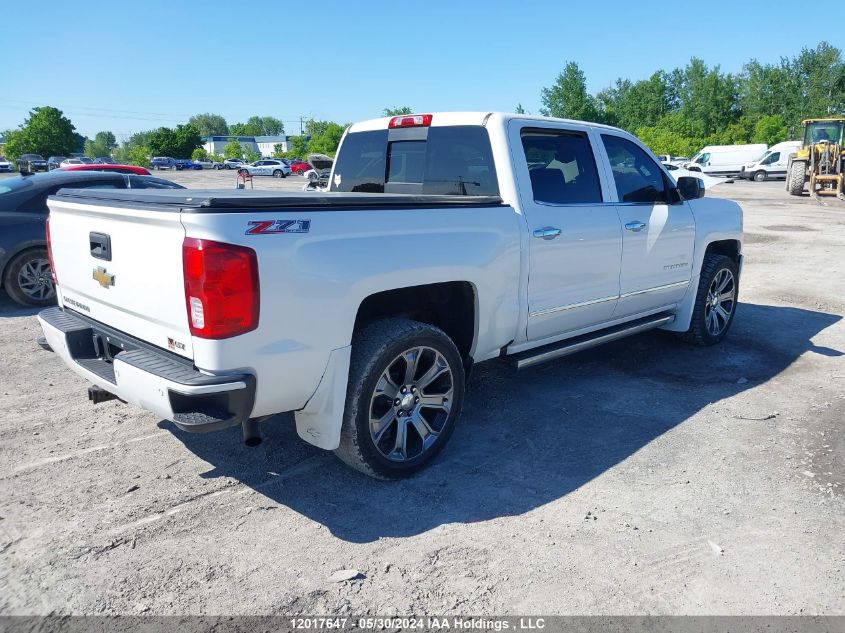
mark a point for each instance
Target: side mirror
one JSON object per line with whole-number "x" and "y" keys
{"x": 690, "y": 188}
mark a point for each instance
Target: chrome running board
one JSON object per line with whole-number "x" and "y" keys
{"x": 586, "y": 341}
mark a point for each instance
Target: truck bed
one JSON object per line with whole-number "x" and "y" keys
{"x": 233, "y": 200}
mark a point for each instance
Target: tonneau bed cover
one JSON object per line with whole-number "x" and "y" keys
{"x": 207, "y": 200}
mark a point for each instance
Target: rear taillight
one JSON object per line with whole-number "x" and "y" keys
{"x": 50, "y": 253}
{"x": 410, "y": 120}
{"x": 221, "y": 288}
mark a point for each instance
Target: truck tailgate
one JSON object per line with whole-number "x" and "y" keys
{"x": 120, "y": 266}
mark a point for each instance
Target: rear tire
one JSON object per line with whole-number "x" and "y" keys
{"x": 715, "y": 301}
{"x": 278, "y": 173}
{"x": 406, "y": 388}
{"x": 28, "y": 280}
{"x": 795, "y": 178}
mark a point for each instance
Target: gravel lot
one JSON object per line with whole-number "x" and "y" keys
{"x": 645, "y": 477}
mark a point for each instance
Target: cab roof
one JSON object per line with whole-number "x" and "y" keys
{"x": 443, "y": 119}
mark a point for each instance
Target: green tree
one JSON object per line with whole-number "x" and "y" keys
{"x": 199, "y": 154}
{"x": 298, "y": 147}
{"x": 208, "y": 124}
{"x": 250, "y": 155}
{"x": 233, "y": 149}
{"x": 103, "y": 144}
{"x": 568, "y": 98}
{"x": 708, "y": 99}
{"x": 396, "y": 111}
{"x": 770, "y": 130}
{"x": 631, "y": 105}
{"x": 187, "y": 140}
{"x": 672, "y": 134}
{"x": 178, "y": 143}
{"x": 258, "y": 126}
{"x": 46, "y": 131}
{"x": 325, "y": 136}
{"x": 519, "y": 109}
{"x": 138, "y": 155}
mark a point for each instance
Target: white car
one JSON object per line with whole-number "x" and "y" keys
{"x": 709, "y": 181}
{"x": 208, "y": 164}
{"x": 363, "y": 309}
{"x": 5, "y": 165}
{"x": 233, "y": 163}
{"x": 267, "y": 167}
{"x": 67, "y": 162}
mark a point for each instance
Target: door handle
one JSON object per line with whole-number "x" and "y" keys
{"x": 547, "y": 233}
{"x": 636, "y": 227}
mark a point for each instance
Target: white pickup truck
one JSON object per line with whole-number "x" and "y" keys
{"x": 445, "y": 240}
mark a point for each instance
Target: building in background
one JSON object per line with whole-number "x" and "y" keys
{"x": 263, "y": 145}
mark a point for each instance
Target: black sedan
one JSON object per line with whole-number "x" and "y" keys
{"x": 24, "y": 265}
{"x": 29, "y": 163}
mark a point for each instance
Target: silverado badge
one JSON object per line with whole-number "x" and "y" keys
{"x": 102, "y": 277}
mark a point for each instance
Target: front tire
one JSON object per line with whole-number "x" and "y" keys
{"x": 795, "y": 178}
{"x": 28, "y": 280}
{"x": 406, "y": 388}
{"x": 715, "y": 302}
{"x": 760, "y": 176}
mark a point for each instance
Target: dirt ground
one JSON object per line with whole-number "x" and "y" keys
{"x": 645, "y": 477}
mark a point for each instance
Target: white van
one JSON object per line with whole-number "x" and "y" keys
{"x": 772, "y": 164}
{"x": 725, "y": 160}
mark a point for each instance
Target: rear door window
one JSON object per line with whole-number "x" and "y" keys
{"x": 454, "y": 160}
{"x": 562, "y": 167}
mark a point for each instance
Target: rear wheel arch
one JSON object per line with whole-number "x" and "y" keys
{"x": 451, "y": 306}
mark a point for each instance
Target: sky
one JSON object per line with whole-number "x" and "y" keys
{"x": 132, "y": 66}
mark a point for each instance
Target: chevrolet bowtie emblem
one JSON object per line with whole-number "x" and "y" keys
{"x": 102, "y": 277}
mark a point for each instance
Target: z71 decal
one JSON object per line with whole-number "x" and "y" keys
{"x": 269, "y": 227}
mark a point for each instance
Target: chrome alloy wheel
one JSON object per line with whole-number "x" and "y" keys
{"x": 35, "y": 280}
{"x": 721, "y": 300}
{"x": 411, "y": 403}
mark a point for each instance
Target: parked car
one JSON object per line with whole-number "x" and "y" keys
{"x": 668, "y": 159}
{"x": 164, "y": 162}
{"x": 363, "y": 312}
{"x": 299, "y": 166}
{"x": 54, "y": 162}
{"x": 68, "y": 162}
{"x": 209, "y": 164}
{"x": 123, "y": 169}
{"x": 31, "y": 163}
{"x": 681, "y": 172}
{"x": 105, "y": 160}
{"x": 233, "y": 163}
{"x": 773, "y": 164}
{"x": 5, "y": 165}
{"x": 187, "y": 163}
{"x": 24, "y": 262}
{"x": 267, "y": 167}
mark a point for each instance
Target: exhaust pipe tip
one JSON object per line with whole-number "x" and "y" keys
{"x": 251, "y": 429}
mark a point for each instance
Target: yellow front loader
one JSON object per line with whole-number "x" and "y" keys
{"x": 821, "y": 159}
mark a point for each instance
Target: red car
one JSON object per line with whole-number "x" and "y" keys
{"x": 123, "y": 169}
{"x": 298, "y": 166}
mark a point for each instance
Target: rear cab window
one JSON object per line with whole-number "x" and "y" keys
{"x": 450, "y": 160}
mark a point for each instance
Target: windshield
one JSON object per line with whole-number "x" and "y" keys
{"x": 820, "y": 131}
